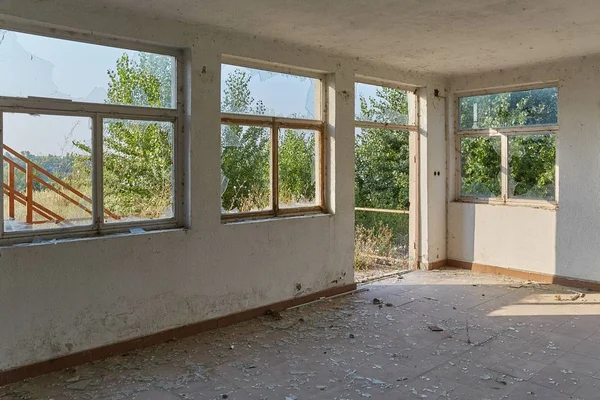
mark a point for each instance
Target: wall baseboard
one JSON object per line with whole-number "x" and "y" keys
{"x": 437, "y": 264}
{"x": 98, "y": 353}
{"x": 525, "y": 275}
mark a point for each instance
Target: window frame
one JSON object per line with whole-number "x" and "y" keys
{"x": 504, "y": 134}
{"x": 412, "y": 129}
{"x": 97, "y": 113}
{"x": 319, "y": 126}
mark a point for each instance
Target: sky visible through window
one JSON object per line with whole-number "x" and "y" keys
{"x": 38, "y": 66}
{"x": 79, "y": 71}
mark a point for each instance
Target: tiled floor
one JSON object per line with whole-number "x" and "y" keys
{"x": 499, "y": 338}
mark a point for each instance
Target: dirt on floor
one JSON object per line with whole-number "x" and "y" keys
{"x": 430, "y": 335}
{"x": 376, "y": 271}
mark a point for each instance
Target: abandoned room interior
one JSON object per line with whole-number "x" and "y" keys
{"x": 261, "y": 199}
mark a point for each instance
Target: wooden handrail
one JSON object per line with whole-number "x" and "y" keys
{"x": 37, "y": 207}
{"x": 49, "y": 186}
{"x": 27, "y": 198}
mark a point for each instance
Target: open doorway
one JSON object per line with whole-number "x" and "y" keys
{"x": 385, "y": 128}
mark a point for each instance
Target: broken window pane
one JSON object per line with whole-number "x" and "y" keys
{"x": 245, "y": 168}
{"x": 480, "y": 166}
{"x": 47, "y": 180}
{"x": 381, "y": 104}
{"x": 531, "y": 164}
{"x": 39, "y": 66}
{"x": 254, "y": 91}
{"x": 381, "y": 241}
{"x": 297, "y": 165}
{"x": 382, "y": 168}
{"x": 137, "y": 170}
{"x": 521, "y": 108}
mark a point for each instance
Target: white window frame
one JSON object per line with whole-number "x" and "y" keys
{"x": 318, "y": 125}
{"x": 504, "y": 134}
{"x": 98, "y": 112}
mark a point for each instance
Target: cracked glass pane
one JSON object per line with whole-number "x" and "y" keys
{"x": 254, "y": 91}
{"x": 500, "y": 110}
{"x": 47, "y": 171}
{"x": 39, "y": 66}
{"x": 245, "y": 168}
{"x": 137, "y": 170}
{"x": 381, "y": 104}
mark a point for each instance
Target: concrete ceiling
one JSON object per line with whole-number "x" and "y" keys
{"x": 436, "y": 36}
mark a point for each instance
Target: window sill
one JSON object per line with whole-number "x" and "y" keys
{"x": 71, "y": 237}
{"x": 539, "y": 204}
{"x": 259, "y": 219}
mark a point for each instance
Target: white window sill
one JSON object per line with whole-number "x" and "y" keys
{"x": 60, "y": 238}
{"x": 262, "y": 220}
{"x": 539, "y": 204}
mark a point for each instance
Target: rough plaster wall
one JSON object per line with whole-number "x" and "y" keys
{"x": 71, "y": 296}
{"x": 432, "y": 190}
{"x": 437, "y": 36}
{"x": 436, "y": 184}
{"x": 513, "y": 237}
{"x": 562, "y": 242}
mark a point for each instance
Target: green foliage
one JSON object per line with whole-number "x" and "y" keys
{"x": 523, "y": 108}
{"x": 382, "y": 155}
{"x": 531, "y": 166}
{"x": 245, "y": 155}
{"x": 138, "y": 155}
{"x": 138, "y": 167}
{"x": 382, "y": 179}
{"x": 531, "y": 157}
{"x": 245, "y": 151}
{"x": 245, "y": 166}
{"x": 387, "y": 106}
{"x": 480, "y": 161}
{"x": 296, "y": 166}
{"x": 131, "y": 84}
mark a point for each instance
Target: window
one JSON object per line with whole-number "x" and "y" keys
{"x": 272, "y": 140}
{"x": 88, "y": 135}
{"x": 385, "y": 118}
{"x": 507, "y": 146}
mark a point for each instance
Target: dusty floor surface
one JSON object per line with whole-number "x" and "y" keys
{"x": 377, "y": 271}
{"x": 436, "y": 335}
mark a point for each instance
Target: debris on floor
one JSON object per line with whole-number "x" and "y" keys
{"x": 512, "y": 341}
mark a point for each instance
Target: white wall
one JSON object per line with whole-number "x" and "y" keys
{"x": 57, "y": 299}
{"x": 433, "y": 186}
{"x": 566, "y": 241}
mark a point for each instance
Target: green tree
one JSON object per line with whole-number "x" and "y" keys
{"x": 382, "y": 165}
{"x": 245, "y": 150}
{"x": 531, "y": 166}
{"x": 382, "y": 155}
{"x": 296, "y": 167}
{"x": 137, "y": 155}
{"x": 245, "y": 155}
{"x": 531, "y": 157}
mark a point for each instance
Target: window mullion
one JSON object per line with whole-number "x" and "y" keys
{"x": 97, "y": 172}
{"x": 504, "y": 166}
{"x": 275, "y": 167}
